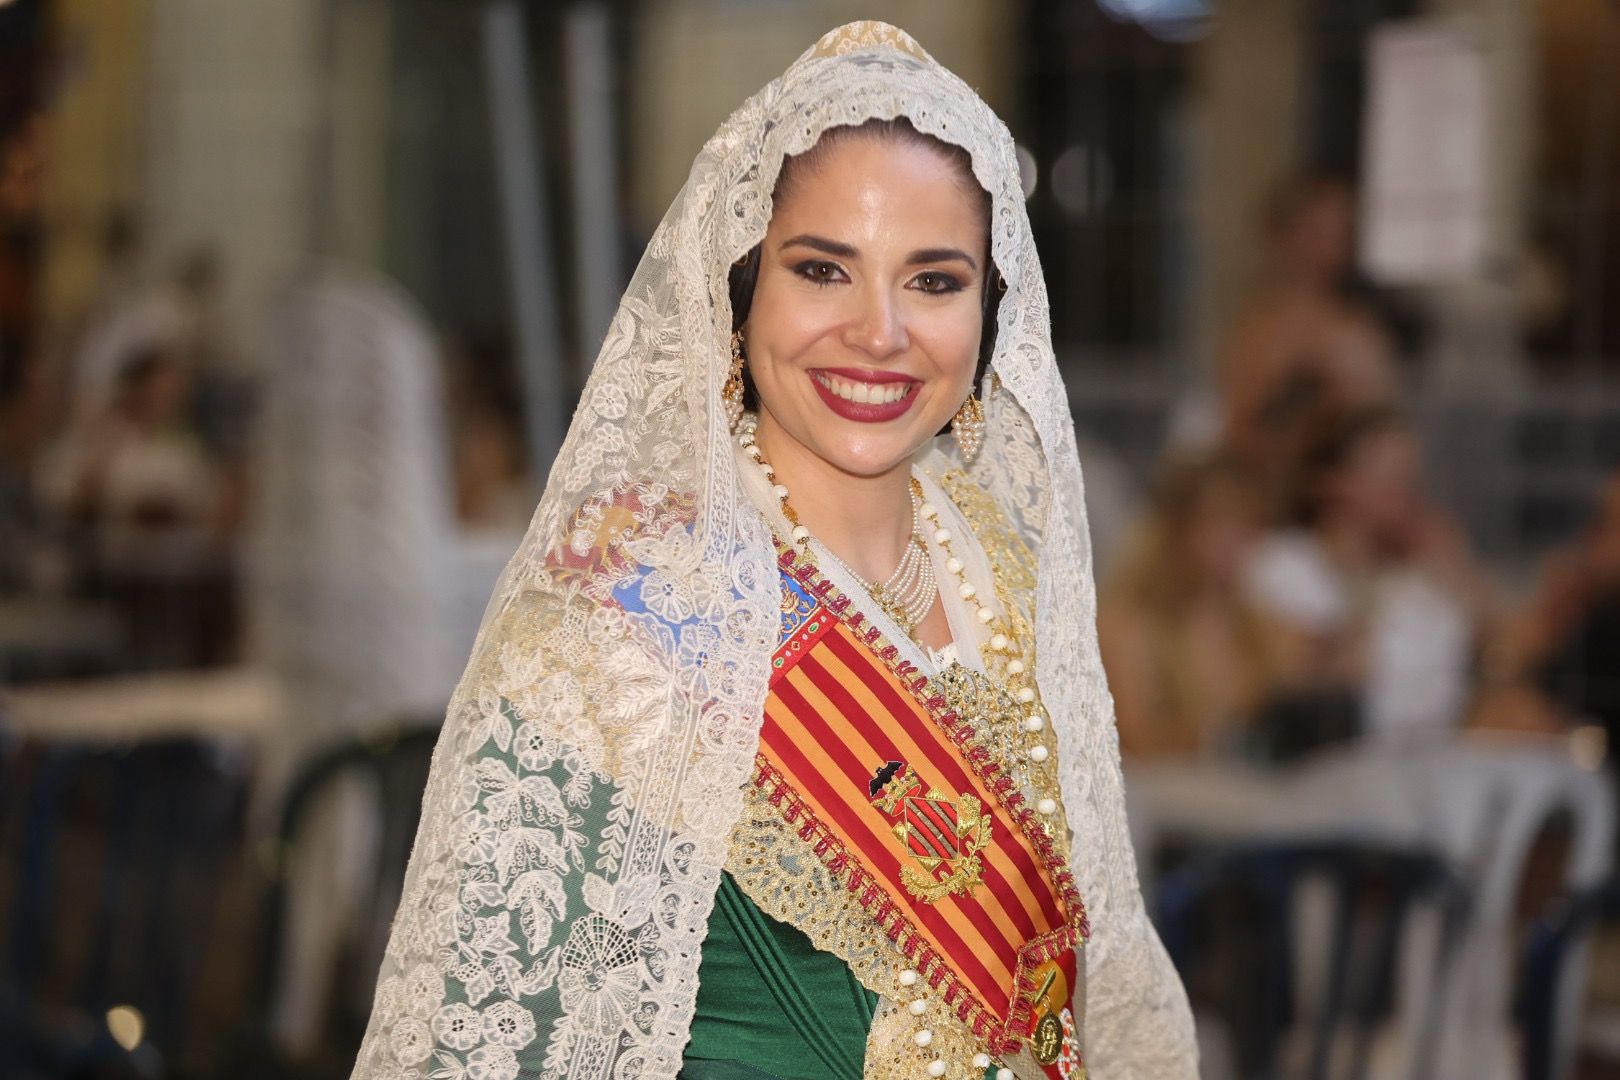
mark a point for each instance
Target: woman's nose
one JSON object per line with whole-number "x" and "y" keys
{"x": 879, "y": 328}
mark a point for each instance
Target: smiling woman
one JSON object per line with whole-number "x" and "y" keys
{"x": 753, "y": 772}
{"x": 862, "y": 332}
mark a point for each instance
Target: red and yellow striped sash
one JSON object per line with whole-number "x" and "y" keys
{"x": 918, "y": 821}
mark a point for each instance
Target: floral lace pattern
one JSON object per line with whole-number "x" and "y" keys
{"x": 595, "y": 754}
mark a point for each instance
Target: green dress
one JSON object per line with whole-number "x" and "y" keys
{"x": 770, "y": 1005}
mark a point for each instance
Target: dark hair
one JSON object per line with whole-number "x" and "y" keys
{"x": 745, "y": 271}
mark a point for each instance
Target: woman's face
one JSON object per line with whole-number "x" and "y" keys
{"x": 1380, "y": 485}
{"x": 863, "y": 334}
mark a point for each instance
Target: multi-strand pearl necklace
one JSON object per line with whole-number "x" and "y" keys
{"x": 908, "y": 594}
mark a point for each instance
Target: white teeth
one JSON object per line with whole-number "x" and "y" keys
{"x": 864, "y": 392}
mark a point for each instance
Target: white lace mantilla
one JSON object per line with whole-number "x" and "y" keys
{"x": 594, "y": 755}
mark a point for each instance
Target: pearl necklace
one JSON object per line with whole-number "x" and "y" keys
{"x": 908, "y": 594}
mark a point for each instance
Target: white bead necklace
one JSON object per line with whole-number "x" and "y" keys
{"x": 908, "y": 594}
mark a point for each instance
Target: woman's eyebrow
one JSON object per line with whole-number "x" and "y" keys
{"x": 821, "y": 244}
{"x": 848, "y": 251}
{"x": 929, "y": 255}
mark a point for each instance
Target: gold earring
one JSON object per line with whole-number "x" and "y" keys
{"x": 731, "y": 394}
{"x": 968, "y": 427}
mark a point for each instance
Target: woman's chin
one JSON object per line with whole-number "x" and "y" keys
{"x": 855, "y": 448}
{"x": 870, "y": 456}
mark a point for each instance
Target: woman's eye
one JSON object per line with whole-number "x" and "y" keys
{"x": 937, "y": 282}
{"x": 819, "y": 271}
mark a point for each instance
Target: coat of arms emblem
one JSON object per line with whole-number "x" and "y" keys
{"x": 942, "y": 833}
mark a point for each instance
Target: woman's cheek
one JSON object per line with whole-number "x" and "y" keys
{"x": 956, "y": 347}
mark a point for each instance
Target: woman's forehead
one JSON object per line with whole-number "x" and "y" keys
{"x": 905, "y": 178}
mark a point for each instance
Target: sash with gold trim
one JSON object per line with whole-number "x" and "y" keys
{"x": 918, "y": 821}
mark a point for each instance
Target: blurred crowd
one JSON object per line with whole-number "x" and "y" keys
{"x": 120, "y": 483}
{"x": 1294, "y": 583}
{"x": 128, "y": 451}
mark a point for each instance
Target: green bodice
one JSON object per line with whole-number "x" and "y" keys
{"x": 770, "y": 1005}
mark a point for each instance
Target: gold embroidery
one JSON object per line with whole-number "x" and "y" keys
{"x": 890, "y": 1050}
{"x": 888, "y": 798}
{"x": 1011, "y": 560}
{"x": 892, "y": 1053}
{"x": 993, "y": 712}
{"x": 788, "y": 882}
{"x": 999, "y": 719}
{"x": 1012, "y": 568}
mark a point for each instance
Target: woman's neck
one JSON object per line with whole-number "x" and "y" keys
{"x": 864, "y": 520}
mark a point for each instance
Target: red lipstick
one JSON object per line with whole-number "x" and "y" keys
{"x": 866, "y": 412}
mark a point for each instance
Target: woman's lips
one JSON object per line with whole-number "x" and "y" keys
{"x": 864, "y": 396}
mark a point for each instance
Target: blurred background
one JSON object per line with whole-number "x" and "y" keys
{"x": 296, "y": 298}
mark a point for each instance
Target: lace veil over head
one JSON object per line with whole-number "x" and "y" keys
{"x": 593, "y": 758}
